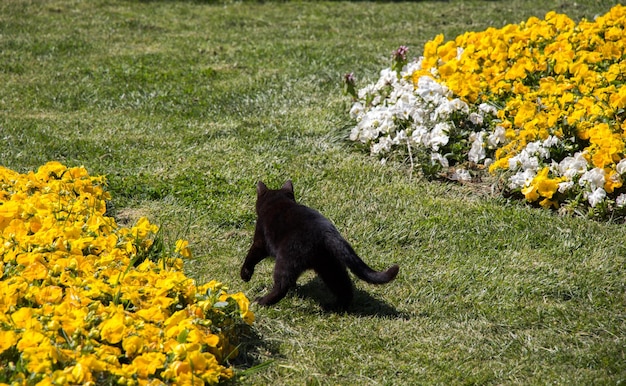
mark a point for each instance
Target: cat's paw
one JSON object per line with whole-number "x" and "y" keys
{"x": 246, "y": 274}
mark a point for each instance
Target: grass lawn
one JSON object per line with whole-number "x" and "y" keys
{"x": 184, "y": 105}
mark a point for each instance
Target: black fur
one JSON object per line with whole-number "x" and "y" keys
{"x": 300, "y": 238}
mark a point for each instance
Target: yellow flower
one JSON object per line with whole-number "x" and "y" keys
{"x": 146, "y": 364}
{"x": 112, "y": 328}
{"x": 530, "y": 193}
{"x": 49, "y": 294}
{"x": 132, "y": 345}
{"x": 546, "y": 187}
{"x": 244, "y": 304}
{"x": 182, "y": 248}
{"x": 30, "y": 339}
{"x": 7, "y": 339}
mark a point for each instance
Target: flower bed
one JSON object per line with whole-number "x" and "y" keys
{"x": 540, "y": 103}
{"x": 85, "y": 301}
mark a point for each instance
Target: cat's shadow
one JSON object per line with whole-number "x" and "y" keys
{"x": 363, "y": 303}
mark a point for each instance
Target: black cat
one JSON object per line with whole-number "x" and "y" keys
{"x": 300, "y": 238}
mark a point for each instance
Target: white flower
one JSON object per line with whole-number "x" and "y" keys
{"x": 443, "y": 111}
{"x": 357, "y": 111}
{"x": 459, "y": 52}
{"x": 355, "y": 133}
{"x": 551, "y": 141}
{"x": 521, "y": 179}
{"x": 419, "y": 115}
{"x": 537, "y": 148}
{"x": 476, "y": 118}
{"x": 436, "y": 157}
{"x": 497, "y": 137}
{"x": 382, "y": 146}
{"x": 477, "y": 151}
{"x": 621, "y": 166}
{"x": 532, "y": 147}
{"x": 621, "y": 200}
{"x": 411, "y": 67}
{"x": 594, "y": 178}
{"x": 525, "y": 161}
{"x": 459, "y": 105}
{"x": 595, "y": 197}
{"x": 429, "y": 89}
{"x": 439, "y": 135}
{"x": 366, "y": 91}
{"x": 573, "y": 166}
{"x": 486, "y": 108}
{"x": 565, "y": 186}
{"x": 387, "y": 77}
{"x": 405, "y": 105}
{"x": 461, "y": 175}
{"x": 400, "y": 137}
{"x": 420, "y": 135}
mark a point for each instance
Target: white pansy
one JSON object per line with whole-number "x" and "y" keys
{"x": 387, "y": 77}
{"x": 597, "y": 196}
{"x": 521, "y": 179}
{"x": 404, "y": 107}
{"x": 564, "y": 187}
{"x": 443, "y": 111}
{"x": 461, "y": 175}
{"x": 439, "y": 135}
{"x": 476, "y": 118}
{"x": 594, "y": 178}
{"x": 551, "y": 141}
{"x": 419, "y": 115}
{"x": 400, "y": 137}
{"x": 438, "y": 158}
{"x": 355, "y": 133}
{"x": 357, "y": 111}
{"x": 532, "y": 147}
{"x": 411, "y": 67}
{"x": 477, "y": 151}
{"x": 486, "y": 108}
{"x": 459, "y": 52}
{"x": 621, "y": 200}
{"x": 383, "y": 145}
{"x": 430, "y": 90}
{"x": 621, "y": 166}
{"x": 394, "y": 112}
{"x": 420, "y": 135}
{"x": 459, "y": 105}
{"x": 570, "y": 167}
{"x": 524, "y": 161}
{"x": 497, "y": 137}
{"x": 366, "y": 91}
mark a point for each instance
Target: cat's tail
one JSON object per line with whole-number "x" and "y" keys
{"x": 348, "y": 256}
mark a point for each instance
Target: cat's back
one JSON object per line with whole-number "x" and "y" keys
{"x": 289, "y": 217}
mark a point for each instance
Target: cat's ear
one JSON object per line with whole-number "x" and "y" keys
{"x": 260, "y": 188}
{"x": 288, "y": 186}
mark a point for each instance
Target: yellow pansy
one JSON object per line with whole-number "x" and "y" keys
{"x": 112, "y": 328}
{"x": 182, "y": 248}
{"x": 132, "y": 345}
{"x": 7, "y": 340}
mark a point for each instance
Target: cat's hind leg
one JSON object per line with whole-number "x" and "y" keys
{"x": 336, "y": 277}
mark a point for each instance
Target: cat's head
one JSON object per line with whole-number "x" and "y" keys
{"x": 263, "y": 194}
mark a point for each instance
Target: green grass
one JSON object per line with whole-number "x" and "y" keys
{"x": 184, "y": 105}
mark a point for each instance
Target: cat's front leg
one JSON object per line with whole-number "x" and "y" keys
{"x": 256, "y": 253}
